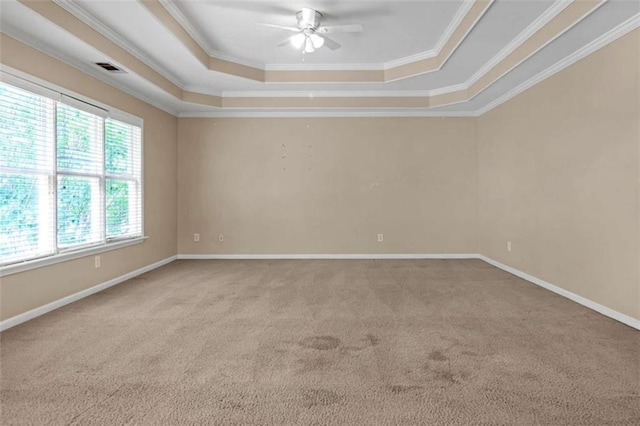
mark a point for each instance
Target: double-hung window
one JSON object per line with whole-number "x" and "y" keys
{"x": 70, "y": 176}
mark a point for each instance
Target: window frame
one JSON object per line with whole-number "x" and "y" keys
{"x": 58, "y": 94}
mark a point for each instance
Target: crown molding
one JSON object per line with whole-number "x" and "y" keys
{"x": 597, "y": 44}
{"x": 462, "y": 11}
{"x": 549, "y": 14}
{"x": 326, "y": 94}
{"x": 334, "y": 113}
{"x": 177, "y": 14}
{"x": 324, "y": 67}
{"x": 79, "y": 12}
{"x": 335, "y": 93}
{"x": 533, "y": 28}
{"x": 539, "y": 48}
{"x": 338, "y": 94}
{"x": 446, "y": 35}
{"x": 203, "y": 90}
{"x": 455, "y": 48}
{"x": 448, "y": 89}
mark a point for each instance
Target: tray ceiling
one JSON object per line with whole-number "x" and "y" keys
{"x": 191, "y": 58}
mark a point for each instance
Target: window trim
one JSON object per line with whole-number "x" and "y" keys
{"x": 59, "y": 94}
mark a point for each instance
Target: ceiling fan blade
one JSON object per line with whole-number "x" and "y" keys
{"x": 282, "y": 27}
{"x": 284, "y": 42}
{"x": 355, "y": 28}
{"x": 331, "y": 43}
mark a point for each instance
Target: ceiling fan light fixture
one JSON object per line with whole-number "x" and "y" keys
{"x": 308, "y": 45}
{"x": 298, "y": 40}
{"x": 308, "y": 36}
{"x": 316, "y": 40}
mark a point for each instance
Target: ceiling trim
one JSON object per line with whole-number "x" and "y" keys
{"x": 597, "y": 44}
{"x": 473, "y": 10}
{"x": 526, "y": 34}
{"x": 539, "y": 35}
{"x": 466, "y": 24}
{"x": 177, "y": 14}
{"x": 325, "y": 93}
{"x": 336, "y": 113}
{"x": 562, "y": 22}
{"x": 461, "y": 13}
{"x": 631, "y": 24}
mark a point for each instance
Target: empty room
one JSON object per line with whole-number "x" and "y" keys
{"x": 313, "y": 212}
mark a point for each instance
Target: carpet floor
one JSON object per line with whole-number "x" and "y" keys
{"x": 322, "y": 342}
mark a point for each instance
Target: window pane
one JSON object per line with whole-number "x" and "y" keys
{"x": 123, "y": 165}
{"x": 123, "y": 212}
{"x": 79, "y": 211}
{"x": 26, "y": 130}
{"x": 26, "y": 217}
{"x": 118, "y": 144}
{"x": 79, "y": 140}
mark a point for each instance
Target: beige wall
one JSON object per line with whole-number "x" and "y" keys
{"x": 24, "y": 291}
{"x": 559, "y": 177}
{"x": 327, "y": 185}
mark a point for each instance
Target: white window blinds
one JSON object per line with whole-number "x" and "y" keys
{"x": 69, "y": 177}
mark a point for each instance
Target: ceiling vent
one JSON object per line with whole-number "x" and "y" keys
{"x": 110, "y": 67}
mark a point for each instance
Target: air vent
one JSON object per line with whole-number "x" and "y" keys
{"x": 109, "y": 67}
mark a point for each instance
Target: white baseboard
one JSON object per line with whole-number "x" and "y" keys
{"x": 326, "y": 256}
{"x": 26, "y": 316}
{"x": 618, "y": 316}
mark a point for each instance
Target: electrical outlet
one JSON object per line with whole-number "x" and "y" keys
{"x": 96, "y": 261}
{"x": 508, "y": 245}
{"x": 196, "y": 237}
{"x": 221, "y": 237}
{"x": 380, "y": 238}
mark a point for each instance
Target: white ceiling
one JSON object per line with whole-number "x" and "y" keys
{"x": 393, "y": 30}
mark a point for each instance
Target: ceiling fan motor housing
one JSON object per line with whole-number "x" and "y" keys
{"x": 308, "y": 19}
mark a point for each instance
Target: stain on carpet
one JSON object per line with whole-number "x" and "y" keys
{"x": 372, "y": 340}
{"x": 319, "y": 397}
{"x": 437, "y": 356}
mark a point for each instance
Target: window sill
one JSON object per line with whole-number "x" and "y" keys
{"x": 63, "y": 257}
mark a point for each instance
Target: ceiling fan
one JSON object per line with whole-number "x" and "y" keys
{"x": 310, "y": 35}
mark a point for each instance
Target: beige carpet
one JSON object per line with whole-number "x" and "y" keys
{"x": 322, "y": 342}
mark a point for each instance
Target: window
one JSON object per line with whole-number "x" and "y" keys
{"x": 70, "y": 176}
